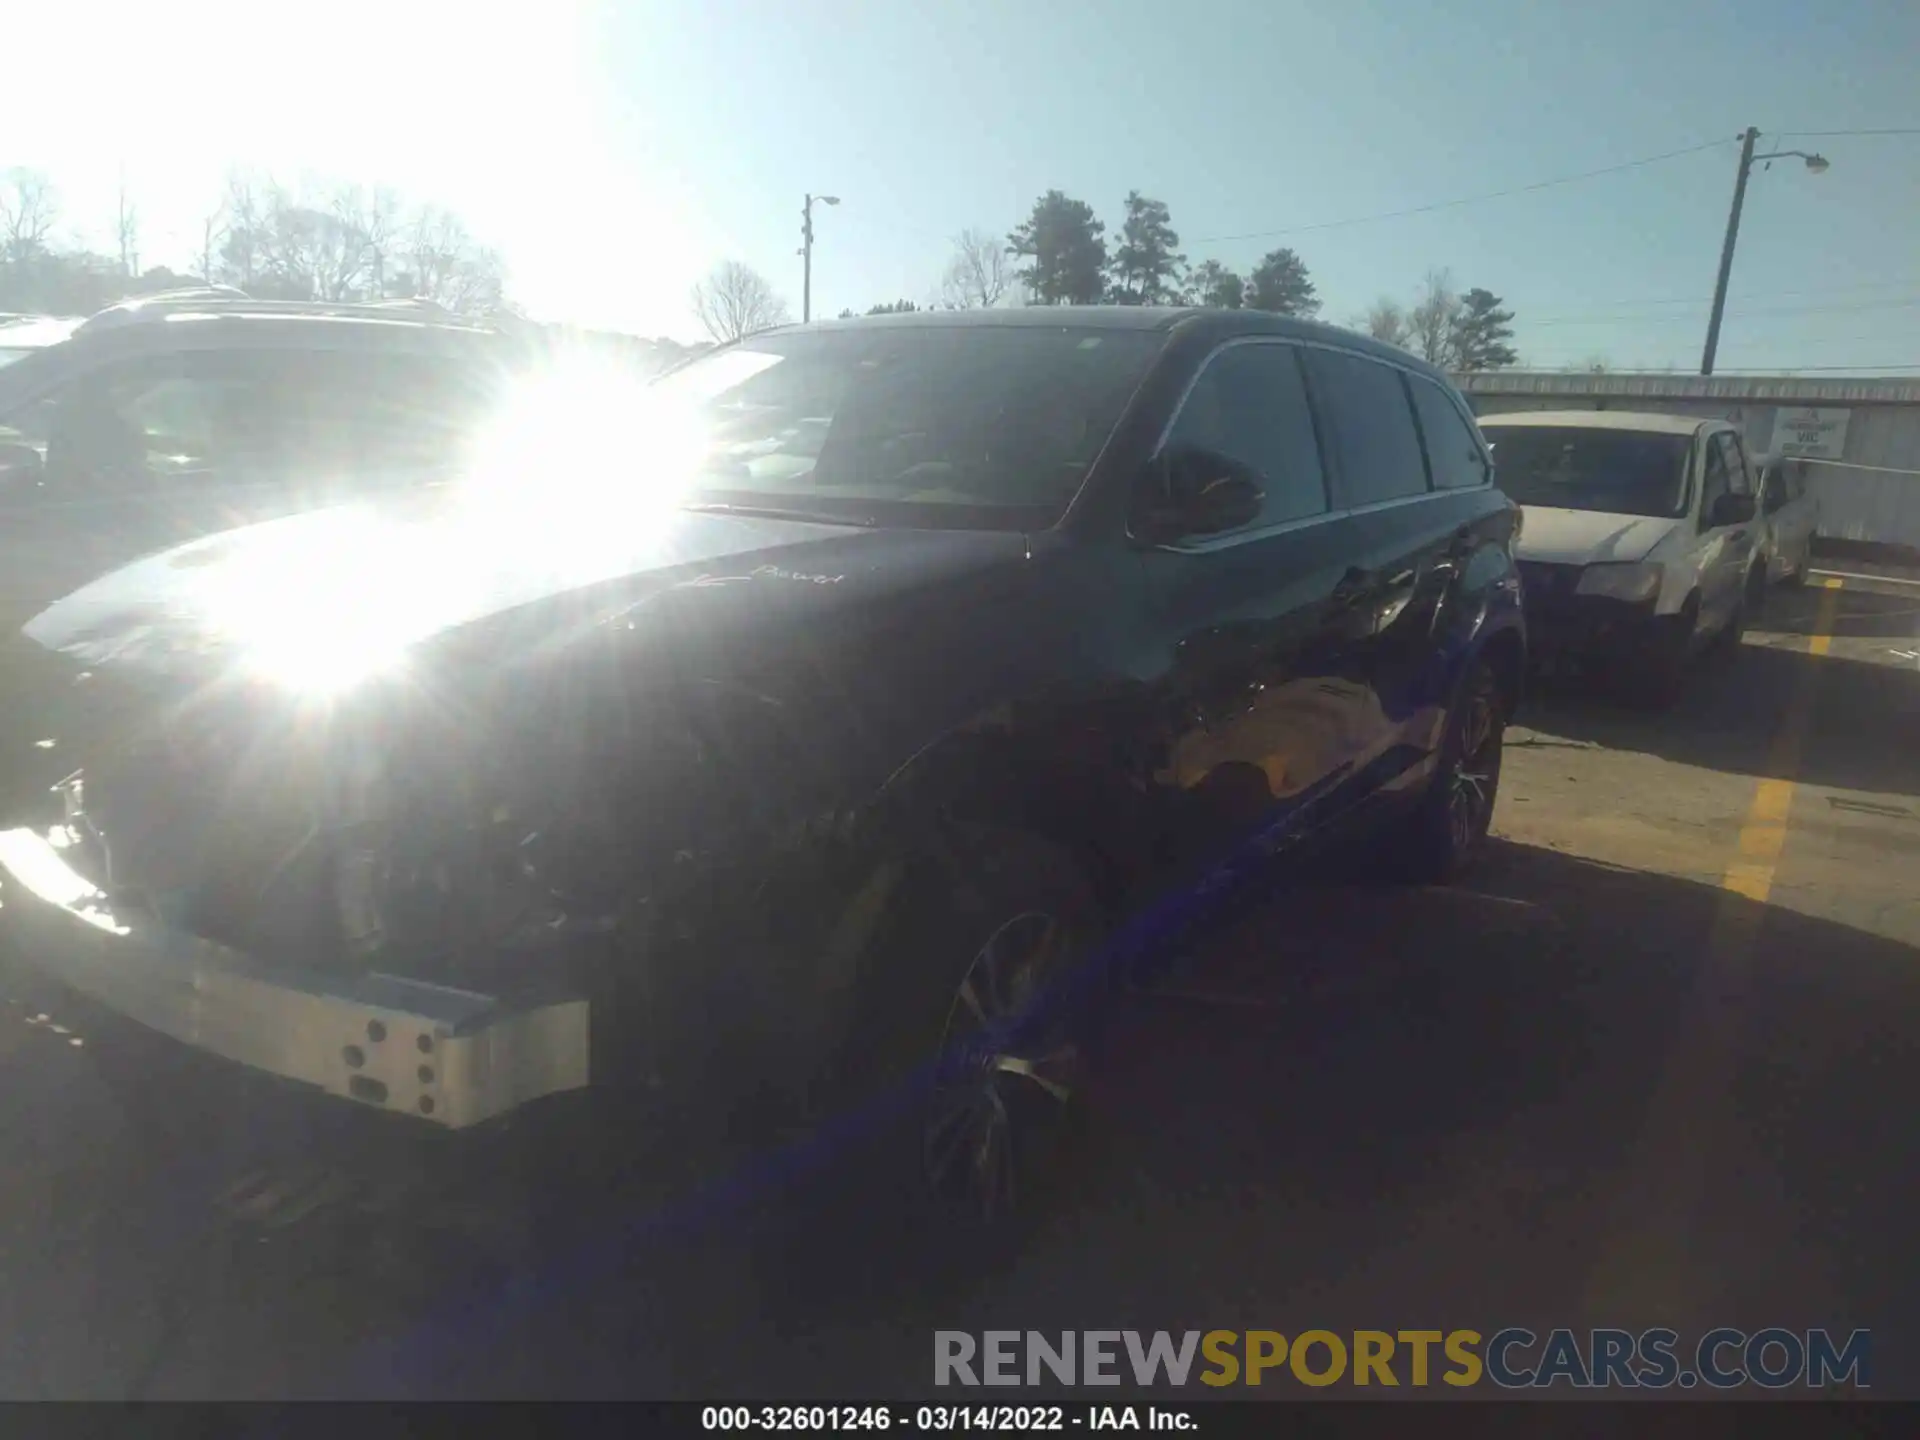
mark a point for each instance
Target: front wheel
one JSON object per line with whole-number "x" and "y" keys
{"x": 977, "y": 1000}
{"x": 1449, "y": 826}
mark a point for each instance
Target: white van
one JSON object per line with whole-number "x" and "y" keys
{"x": 1640, "y": 541}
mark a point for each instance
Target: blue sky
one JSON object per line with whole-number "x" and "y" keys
{"x": 614, "y": 151}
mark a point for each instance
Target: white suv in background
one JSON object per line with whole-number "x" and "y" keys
{"x": 1641, "y": 540}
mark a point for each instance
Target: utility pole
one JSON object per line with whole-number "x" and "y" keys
{"x": 1815, "y": 164}
{"x": 806, "y": 260}
{"x": 1726, "y": 249}
{"x": 806, "y": 252}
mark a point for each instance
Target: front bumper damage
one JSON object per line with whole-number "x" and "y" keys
{"x": 1566, "y": 628}
{"x": 449, "y": 1057}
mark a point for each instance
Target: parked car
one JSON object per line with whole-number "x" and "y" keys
{"x": 1640, "y": 542}
{"x": 1791, "y": 515}
{"x": 192, "y": 411}
{"x": 812, "y": 714}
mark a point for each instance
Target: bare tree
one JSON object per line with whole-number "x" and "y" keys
{"x": 1387, "y": 321}
{"x": 213, "y": 231}
{"x": 347, "y": 244}
{"x": 29, "y": 210}
{"x": 443, "y": 263}
{"x": 241, "y": 248}
{"x": 1431, "y": 321}
{"x": 736, "y": 300}
{"x": 978, "y": 276}
{"x": 126, "y": 231}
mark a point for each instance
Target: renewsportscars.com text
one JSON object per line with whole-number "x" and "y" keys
{"x": 1514, "y": 1358}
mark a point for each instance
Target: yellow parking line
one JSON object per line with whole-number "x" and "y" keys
{"x": 1651, "y": 1266}
{"x": 1764, "y": 834}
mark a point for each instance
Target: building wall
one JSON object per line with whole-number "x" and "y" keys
{"x": 1867, "y": 496}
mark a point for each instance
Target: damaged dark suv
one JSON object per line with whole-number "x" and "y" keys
{"x": 826, "y": 713}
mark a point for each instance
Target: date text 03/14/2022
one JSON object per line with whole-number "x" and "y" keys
{"x": 943, "y": 1419}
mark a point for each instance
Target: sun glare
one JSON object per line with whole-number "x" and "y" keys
{"x": 580, "y": 463}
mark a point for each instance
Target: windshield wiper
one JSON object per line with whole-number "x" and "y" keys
{"x": 775, "y": 512}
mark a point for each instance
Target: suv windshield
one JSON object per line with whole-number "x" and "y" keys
{"x": 969, "y": 426}
{"x": 1621, "y": 472}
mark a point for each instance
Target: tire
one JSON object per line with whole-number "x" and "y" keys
{"x": 1448, "y": 828}
{"x": 1726, "y": 643}
{"x": 976, "y": 1006}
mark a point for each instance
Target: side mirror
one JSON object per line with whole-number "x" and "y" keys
{"x": 20, "y": 463}
{"x": 1200, "y": 492}
{"x": 1731, "y": 510}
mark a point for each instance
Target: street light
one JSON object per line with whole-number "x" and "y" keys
{"x": 1815, "y": 164}
{"x": 806, "y": 252}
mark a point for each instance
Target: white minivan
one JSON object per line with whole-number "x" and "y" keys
{"x": 1640, "y": 539}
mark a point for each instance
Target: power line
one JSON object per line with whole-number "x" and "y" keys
{"x": 1698, "y": 302}
{"x": 1845, "y": 134}
{"x": 1905, "y": 303}
{"x": 1464, "y": 200}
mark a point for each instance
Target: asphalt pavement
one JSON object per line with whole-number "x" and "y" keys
{"x": 1651, "y": 1065}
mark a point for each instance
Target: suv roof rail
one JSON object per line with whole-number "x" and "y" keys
{"x": 226, "y": 300}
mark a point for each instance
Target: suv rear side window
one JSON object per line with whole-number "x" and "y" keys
{"x": 1368, "y": 422}
{"x": 1250, "y": 404}
{"x": 1453, "y": 451}
{"x": 329, "y": 419}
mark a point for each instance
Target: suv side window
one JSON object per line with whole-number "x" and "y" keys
{"x": 156, "y": 424}
{"x": 1714, "y": 482}
{"x": 1250, "y": 403}
{"x": 1368, "y": 421}
{"x": 129, "y": 428}
{"x": 379, "y": 414}
{"x": 1453, "y": 451}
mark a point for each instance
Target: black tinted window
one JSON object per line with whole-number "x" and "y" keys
{"x": 1617, "y": 472}
{"x": 1368, "y": 423}
{"x": 1453, "y": 451}
{"x": 1250, "y": 403}
{"x": 330, "y": 418}
{"x": 963, "y": 425}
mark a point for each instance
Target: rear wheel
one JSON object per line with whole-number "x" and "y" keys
{"x": 1449, "y": 826}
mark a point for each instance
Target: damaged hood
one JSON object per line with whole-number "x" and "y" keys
{"x": 323, "y": 597}
{"x": 1587, "y": 537}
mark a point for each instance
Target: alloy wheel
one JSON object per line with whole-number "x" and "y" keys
{"x": 1009, "y": 1067}
{"x": 1476, "y": 774}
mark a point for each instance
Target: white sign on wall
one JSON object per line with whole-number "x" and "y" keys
{"x": 1818, "y": 434}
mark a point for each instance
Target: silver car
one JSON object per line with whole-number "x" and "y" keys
{"x": 1791, "y": 516}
